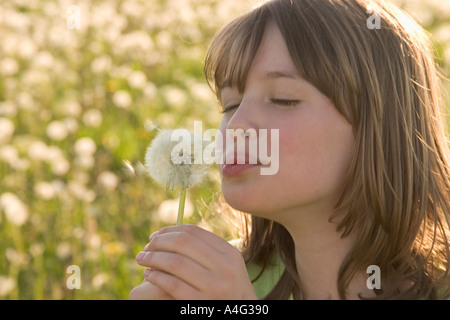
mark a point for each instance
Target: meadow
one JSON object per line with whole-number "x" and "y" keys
{"x": 78, "y": 108}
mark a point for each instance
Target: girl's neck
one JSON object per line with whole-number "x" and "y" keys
{"x": 319, "y": 253}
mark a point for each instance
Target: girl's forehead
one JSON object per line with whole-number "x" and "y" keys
{"x": 272, "y": 57}
{"x": 272, "y": 60}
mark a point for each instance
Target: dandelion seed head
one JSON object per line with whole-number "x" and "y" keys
{"x": 159, "y": 164}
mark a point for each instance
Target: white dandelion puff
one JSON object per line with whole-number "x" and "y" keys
{"x": 172, "y": 166}
{"x": 174, "y": 170}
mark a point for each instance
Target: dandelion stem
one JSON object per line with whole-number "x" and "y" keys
{"x": 181, "y": 206}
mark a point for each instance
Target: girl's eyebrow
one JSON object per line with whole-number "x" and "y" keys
{"x": 282, "y": 74}
{"x": 270, "y": 75}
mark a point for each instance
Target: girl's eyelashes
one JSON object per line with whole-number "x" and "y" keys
{"x": 285, "y": 102}
{"x": 229, "y": 108}
{"x": 281, "y": 102}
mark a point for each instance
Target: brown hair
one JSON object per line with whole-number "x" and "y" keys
{"x": 384, "y": 81}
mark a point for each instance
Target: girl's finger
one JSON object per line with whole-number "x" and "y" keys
{"x": 192, "y": 246}
{"x": 175, "y": 264}
{"x": 175, "y": 287}
{"x": 207, "y": 237}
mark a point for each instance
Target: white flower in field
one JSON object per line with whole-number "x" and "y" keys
{"x": 101, "y": 64}
{"x": 135, "y": 41}
{"x": 174, "y": 96}
{"x": 81, "y": 192}
{"x": 137, "y": 80}
{"x": 27, "y": 48}
{"x": 8, "y": 153}
{"x": 7, "y": 284}
{"x": 63, "y": 250}
{"x": 122, "y": 99}
{"x": 150, "y": 90}
{"x": 85, "y": 146}
{"x": 9, "y": 66}
{"x": 71, "y": 124}
{"x": 15, "y": 210}
{"x": 6, "y": 129}
{"x": 44, "y": 190}
{"x": 8, "y": 108}
{"x": 36, "y": 249}
{"x": 60, "y": 166}
{"x": 25, "y": 101}
{"x": 43, "y": 60}
{"x": 16, "y": 257}
{"x": 38, "y": 150}
{"x": 92, "y": 118}
{"x": 168, "y": 210}
{"x": 164, "y": 40}
{"x": 161, "y": 167}
{"x": 85, "y": 161}
{"x": 108, "y": 180}
{"x": 21, "y": 164}
{"x": 71, "y": 108}
{"x": 99, "y": 280}
{"x": 201, "y": 91}
{"x": 133, "y": 9}
{"x": 57, "y": 130}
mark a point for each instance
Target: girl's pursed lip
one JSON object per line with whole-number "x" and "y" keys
{"x": 246, "y": 157}
{"x": 234, "y": 170}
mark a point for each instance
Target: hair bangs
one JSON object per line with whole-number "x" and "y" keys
{"x": 231, "y": 53}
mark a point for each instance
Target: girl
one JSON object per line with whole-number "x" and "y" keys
{"x": 364, "y": 176}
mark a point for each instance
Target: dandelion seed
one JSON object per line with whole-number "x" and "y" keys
{"x": 150, "y": 126}
{"x": 174, "y": 169}
{"x": 128, "y": 168}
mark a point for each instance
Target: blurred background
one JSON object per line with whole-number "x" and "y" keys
{"x": 82, "y": 90}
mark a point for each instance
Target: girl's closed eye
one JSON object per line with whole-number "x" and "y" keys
{"x": 285, "y": 102}
{"x": 281, "y": 102}
{"x": 229, "y": 108}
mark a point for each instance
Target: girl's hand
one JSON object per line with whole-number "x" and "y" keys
{"x": 187, "y": 262}
{"x": 148, "y": 291}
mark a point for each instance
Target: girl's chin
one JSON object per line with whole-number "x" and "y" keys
{"x": 246, "y": 202}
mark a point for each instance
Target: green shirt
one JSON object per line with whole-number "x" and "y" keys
{"x": 267, "y": 281}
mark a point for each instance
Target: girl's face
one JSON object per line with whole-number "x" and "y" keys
{"x": 315, "y": 141}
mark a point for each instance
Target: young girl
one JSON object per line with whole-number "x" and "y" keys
{"x": 360, "y": 205}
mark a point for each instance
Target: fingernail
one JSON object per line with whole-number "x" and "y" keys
{"x": 146, "y": 272}
{"x": 153, "y": 234}
{"x": 140, "y": 256}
